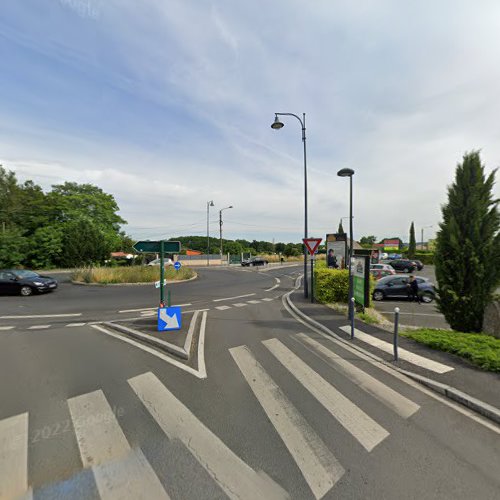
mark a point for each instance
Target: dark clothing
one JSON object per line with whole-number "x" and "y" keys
{"x": 412, "y": 288}
{"x": 332, "y": 261}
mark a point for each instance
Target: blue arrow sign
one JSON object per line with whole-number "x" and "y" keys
{"x": 177, "y": 265}
{"x": 169, "y": 318}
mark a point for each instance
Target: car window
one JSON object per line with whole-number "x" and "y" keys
{"x": 25, "y": 274}
{"x": 398, "y": 281}
{"x": 4, "y": 275}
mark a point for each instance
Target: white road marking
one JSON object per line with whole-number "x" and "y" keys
{"x": 411, "y": 314}
{"x": 319, "y": 467}
{"x": 76, "y": 324}
{"x": 235, "y": 477}
{"x": 389, "y": 397}
{"x": 240, "y": 304}
{"x": 6, "y": 327}
{"x": 232, "y": 298}
{"x": 31, "y": 316}
{"x": 368, "y": 432}
{"x": 152, "y": 351}
{"x": 254, "y": 301}
{"x": 272, "y": 288}
{"x": 415, "y": 359}
{"x": 201, "y": 347}
{"x": 267, "y": 299}
{"x": 150, "y": 308}
{"x": 223, "y": 308}
{"x": 38, "y": 327}
{"x": 14, "y": 457}
{"x": 119, "y": 471}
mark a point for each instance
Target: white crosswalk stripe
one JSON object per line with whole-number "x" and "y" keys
{"x": 38, "y": 327}
{"x": 392, "y": 399}
{"x": 368, "y": 432}
{"x": 3, "y": 328}
{"x": 223, "y": 308}
{"x": 403, "y": 354}
{"x": 254, "y": 301}
{"x": 119, "y": 471}
{"x": 319, "y": 467}
{"x": 235, "y": 477}
{"x": 14, "y": 457}
{"x": 240, "y": 304}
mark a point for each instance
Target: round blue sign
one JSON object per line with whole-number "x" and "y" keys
{"x": 177, "y": 265}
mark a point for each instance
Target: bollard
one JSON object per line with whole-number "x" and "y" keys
{"x": 352, "y": 316}
{"x": 396, "y": 324}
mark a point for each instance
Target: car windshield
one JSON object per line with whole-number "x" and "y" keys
{"x": 26, "y": 274}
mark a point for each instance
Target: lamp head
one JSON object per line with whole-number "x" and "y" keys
{"x": 211, "y": 203}
{"x": 276, "y": 125}
{"x": 345, "y": 172}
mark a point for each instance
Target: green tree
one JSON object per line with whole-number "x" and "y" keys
{"x": 13, "y": 246}
{"x": 412, "y": 246}
{"x": 367, "y": 241}
{"x": 467, "y": 254}
{"x": 340, "y": 230}
{"x": 45, "y": 247}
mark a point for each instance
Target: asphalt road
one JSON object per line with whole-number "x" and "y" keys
{"x": 281, "y": 412}
{"x": 412, "y": 313}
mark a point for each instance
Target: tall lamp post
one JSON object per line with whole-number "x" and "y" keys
{"x": 209, "y": 204}
{"x": 277, "y": 125}
{"x": 220, "y": 229}
{"x": 345, "y": 246}
{"x": 422, "y": 236}
{"x": 348, "y": 172}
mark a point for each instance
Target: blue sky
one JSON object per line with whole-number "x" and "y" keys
{"x": 167, "y": 104}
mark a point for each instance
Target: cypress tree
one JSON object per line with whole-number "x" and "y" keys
{"x": 340, "y": 229}
{"x": 412, "y": 247}
{"x": 467, "y": 254}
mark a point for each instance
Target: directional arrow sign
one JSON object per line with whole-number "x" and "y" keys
{"x": 154, "y": 246}
{"x": 169, "y": 318}
{"x": 312, "y": 244}
{"x": 177, "y": 265}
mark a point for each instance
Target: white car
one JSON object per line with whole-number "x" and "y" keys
{"x": 166, "y": 262}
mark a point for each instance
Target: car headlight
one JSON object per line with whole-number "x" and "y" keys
{"x": 38, "y": 283}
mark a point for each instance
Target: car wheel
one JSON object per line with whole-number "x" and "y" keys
{"x": 378, "y": 295}
{"x": 427, "y": 298}
{"x": 26, "y": 291}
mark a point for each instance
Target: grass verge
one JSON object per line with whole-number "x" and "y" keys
{"x": 480, "y": 349}
{"x": 130, "y": 274}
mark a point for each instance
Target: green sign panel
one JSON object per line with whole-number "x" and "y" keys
{"x": 361, "y": 280}
{"x": 359, "y": 289}
{"x": 154, "y": 246}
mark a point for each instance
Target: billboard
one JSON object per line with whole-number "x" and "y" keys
{"x": 336, "y": 243}
{"x": 361, "y": 280}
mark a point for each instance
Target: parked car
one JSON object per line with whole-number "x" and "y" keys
{"x": 380, "y": 270}
{"x": 166, "y": 262}
{"x": 24, "y": 282}
{"x": 396, "y": 287}
{"x": 419, "y": 263}
{"x": 254, "y": 261}
{"x": 403, "y": 265}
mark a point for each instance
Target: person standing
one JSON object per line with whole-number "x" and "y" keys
{"x": 331, "y": 260}
{"x": 413, "y": 294}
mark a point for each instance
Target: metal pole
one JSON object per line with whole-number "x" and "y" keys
{"x": 220, "y": 234}
{"x": 396, "y": 324}
{"x": 422, "y": 239}
{"x": 305, "y": 201}
{"x": 208, "y": 234}
{"x": 162, "y": 276}
{"x": 312, "y": 279}
{"x": 351, "y": 245}
{"x": 351, "y": 305}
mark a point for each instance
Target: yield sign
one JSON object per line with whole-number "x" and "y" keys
{"x": 312, "y": 244}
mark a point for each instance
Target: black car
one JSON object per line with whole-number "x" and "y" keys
{"x": 419, "y": 263}
{"x": 403, "y": 265}
{"x": 254, "y": 261}
{"x": 24, "y": 282}
{"x": 396, "y": 287}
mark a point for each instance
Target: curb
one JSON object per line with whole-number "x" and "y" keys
{"x": 484, "y": 409}
{"x": 142, "y": 283}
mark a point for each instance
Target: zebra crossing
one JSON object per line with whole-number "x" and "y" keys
{"x": 121, "y": 469}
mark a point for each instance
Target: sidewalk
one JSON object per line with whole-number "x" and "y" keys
{"x": 421, "y": 361}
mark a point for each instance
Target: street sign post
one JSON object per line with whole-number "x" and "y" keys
{"x": 312, "y": 245}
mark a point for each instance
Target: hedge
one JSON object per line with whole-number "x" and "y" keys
{"x": 331, "y": 285}
{"x": 425, "y": 257}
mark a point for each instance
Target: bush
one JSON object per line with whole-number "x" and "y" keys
{"x": 331, "y": 285}
{"x": 426, "y": 258}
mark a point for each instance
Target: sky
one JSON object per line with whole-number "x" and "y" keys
{"x": 167, "y": 104}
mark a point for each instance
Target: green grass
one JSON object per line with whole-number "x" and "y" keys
{"x": 480, "y": 349}
{"x": 369, "y": 317}
{"x": 130, "y": 274}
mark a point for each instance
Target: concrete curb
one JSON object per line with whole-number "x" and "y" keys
{"x": 484, "y": 409}
{"x": 142, "y": 283}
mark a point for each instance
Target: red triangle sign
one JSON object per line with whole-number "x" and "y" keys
{"x": 312, "y": 244}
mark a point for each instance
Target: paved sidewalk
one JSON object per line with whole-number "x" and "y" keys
{"x": 462, "y": 376}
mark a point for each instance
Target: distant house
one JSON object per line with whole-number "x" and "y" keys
{"x": 122, "y": 255}
{"x": 193, "y": 252}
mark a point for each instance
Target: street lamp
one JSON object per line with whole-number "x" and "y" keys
{"x": 209, "y": 204}
{"x": 276, "y": 125}
{"x": 220, "y": 229}
{"x": 422, "y": 236}
{"x": 348, "y": 172}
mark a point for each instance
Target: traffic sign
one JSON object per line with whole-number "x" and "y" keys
{"x": 312, "y": 244}
{"x": 154, "y": 246}
{"x": 177, "y": 265}
{"x": 169, "y": 318}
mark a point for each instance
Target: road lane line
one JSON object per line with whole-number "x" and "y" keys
{"x": 272, "y": 288}
{"x": 14, "y": 457}
{"x": 202, "y": 370}
{"x": 240, "y": 304}
{"x": 222, "y": 308}
{"x": 119, "y": 471}
{"x": 152, "y": 351}
{"x": 150, "y": 308}
{"x": 254, "y": 301}
{"x": 232, "y": 298}
{"x": 75, "y": 324}
{"x": 267, "y": 299}
{"x": 31, "y": 316}
{"x": 237, "y": 479}
{"x": 362, "y": 427}
{"x": 6, "y": 327}
{"x": 389, "y": 397}
{"x": 320, "y": 468}
{"x": 39, "y": 327}
{"x": 415, "y": 359}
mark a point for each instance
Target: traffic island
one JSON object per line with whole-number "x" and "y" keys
{"x": 180, "y": 342}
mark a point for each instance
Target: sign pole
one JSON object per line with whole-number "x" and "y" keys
{"x": 162, "y": 275}
{"x": 312, "y": 279}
